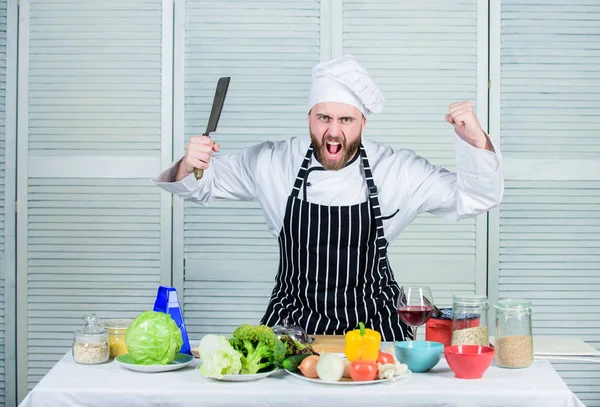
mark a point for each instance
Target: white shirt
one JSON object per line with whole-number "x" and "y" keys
{"x": 407, "y": 184}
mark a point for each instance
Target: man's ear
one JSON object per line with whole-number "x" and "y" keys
{"x": 364, "y": 123}
{"x": 308, "y": 117}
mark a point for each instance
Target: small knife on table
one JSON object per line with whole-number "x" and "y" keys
{"x": 215, "y": 113}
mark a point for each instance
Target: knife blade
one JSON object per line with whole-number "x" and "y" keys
{"x": 215, "y": 113}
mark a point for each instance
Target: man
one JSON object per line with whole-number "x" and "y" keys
{"x": 336, "y": 200}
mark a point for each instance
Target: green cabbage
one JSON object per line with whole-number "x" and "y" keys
{"x": 153, "y": 338}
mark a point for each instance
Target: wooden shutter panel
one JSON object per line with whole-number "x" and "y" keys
{"x": 268, "y": 48}
{"x": 94, "y": 232}
{"x": 424, "y": 56}
{"x": 547, "y": 229}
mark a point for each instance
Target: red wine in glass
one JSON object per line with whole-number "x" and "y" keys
{"x": 415, "y": 315}
{"x": 415, "y": 306}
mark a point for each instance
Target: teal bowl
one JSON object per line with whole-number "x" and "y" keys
{"x": 420, "y": 356}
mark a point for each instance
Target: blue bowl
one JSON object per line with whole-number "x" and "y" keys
{"x": 420, "y": 356}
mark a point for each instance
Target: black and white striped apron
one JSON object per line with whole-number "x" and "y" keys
{"x": 333, "y": 267}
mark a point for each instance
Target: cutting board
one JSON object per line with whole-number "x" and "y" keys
{"x": 329, "y": 343}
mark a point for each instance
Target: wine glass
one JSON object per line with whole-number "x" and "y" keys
{"x": 415, "y": 305}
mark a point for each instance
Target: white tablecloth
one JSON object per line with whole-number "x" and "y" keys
{"x": 71, "y": 384}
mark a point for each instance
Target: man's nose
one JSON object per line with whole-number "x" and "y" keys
{"x": 335, "y": 129}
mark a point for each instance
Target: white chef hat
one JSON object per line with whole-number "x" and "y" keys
{"x": 345, "y": 80}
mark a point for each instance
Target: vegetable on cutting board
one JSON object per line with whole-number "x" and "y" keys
{"x": 362, "y": 344}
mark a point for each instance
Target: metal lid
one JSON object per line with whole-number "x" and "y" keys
{"x": 293, "y": 331}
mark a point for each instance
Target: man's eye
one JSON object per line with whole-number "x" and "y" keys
{"x": 324, "y": 118}
{"x": 346, "y": 120}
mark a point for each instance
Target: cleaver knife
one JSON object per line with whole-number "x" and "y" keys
{"x": 215, "y": 113}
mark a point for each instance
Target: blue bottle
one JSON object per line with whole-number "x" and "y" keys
{"x": 168, "y": 302}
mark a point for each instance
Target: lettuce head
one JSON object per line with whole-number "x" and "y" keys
{"x": 153, "y": 338}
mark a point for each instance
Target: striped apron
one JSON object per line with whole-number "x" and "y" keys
{"x": 333, "y": 267}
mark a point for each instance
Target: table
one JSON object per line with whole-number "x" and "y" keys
{"x": 71, "y": 384}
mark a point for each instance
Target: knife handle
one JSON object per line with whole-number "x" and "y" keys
{"x": 198, "y": 172}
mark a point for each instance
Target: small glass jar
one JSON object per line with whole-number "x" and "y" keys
{"x": 470, "y": 320}
{"x": 514, "y": 338}
{"x": 116, "y": 329}
{"x": 90, "y": 346}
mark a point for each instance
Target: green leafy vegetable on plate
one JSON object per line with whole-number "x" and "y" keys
{"x": 153, "y": 338}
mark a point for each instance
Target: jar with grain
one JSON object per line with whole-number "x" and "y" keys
{"x": 514, "y": 339}
{"x": 116, "y": 328}
{"x": 470, "y": 320}
{"x": 90, "y": 346}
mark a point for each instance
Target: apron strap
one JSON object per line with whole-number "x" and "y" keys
{"x": 374, "y": 200}
{"x": 302, "y": 173}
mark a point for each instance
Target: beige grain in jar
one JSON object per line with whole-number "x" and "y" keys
{"x": 514, "y": 339}
{"x": 90, "y": 346}
{"x": 470, "y": 320}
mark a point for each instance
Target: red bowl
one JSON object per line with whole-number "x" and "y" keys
{"x": 469, "y": 361}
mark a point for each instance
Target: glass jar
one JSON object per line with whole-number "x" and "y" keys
{"x": 438, "y": 328}
{"x": 116, "y": 329}
{"x": 90, "y": 346}
{"x": 514, "y": 338}
{"x": 470, "y": 320}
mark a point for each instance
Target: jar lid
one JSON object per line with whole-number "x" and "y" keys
{"x": 117, "y": 323}
{"x": 445, "y": 313}
{"x": 515, "y": 305}
{"x": 92, "y": 332}
{"x": 470, "y": 300}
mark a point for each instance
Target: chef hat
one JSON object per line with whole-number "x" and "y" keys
{"x": 345, "y": 80}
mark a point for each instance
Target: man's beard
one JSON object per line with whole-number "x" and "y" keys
{"x": 320, "y": 148}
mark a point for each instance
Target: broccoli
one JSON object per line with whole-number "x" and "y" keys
{"x": 260, "y": 348}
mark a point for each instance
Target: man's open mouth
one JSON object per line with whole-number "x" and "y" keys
{"x": 334, "y": 149}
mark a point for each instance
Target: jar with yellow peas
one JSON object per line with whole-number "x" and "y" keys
{"x": 116, "y": 329}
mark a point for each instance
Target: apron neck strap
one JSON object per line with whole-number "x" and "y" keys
{"x": 302, "y": 173}
{"x": 374, "y": 201}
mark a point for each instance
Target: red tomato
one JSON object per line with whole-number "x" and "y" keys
{"x": 363, "y": 370}
{"x": 385, "y": 358}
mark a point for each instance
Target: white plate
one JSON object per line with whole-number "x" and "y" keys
{"x": 349, "y": 382}
{"x": 243, "y": 377}
{"x": 181, "y": 361}
{"x": 246, "y": 377}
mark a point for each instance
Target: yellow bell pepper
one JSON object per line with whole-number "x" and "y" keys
{"x": 362, "y": 344}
